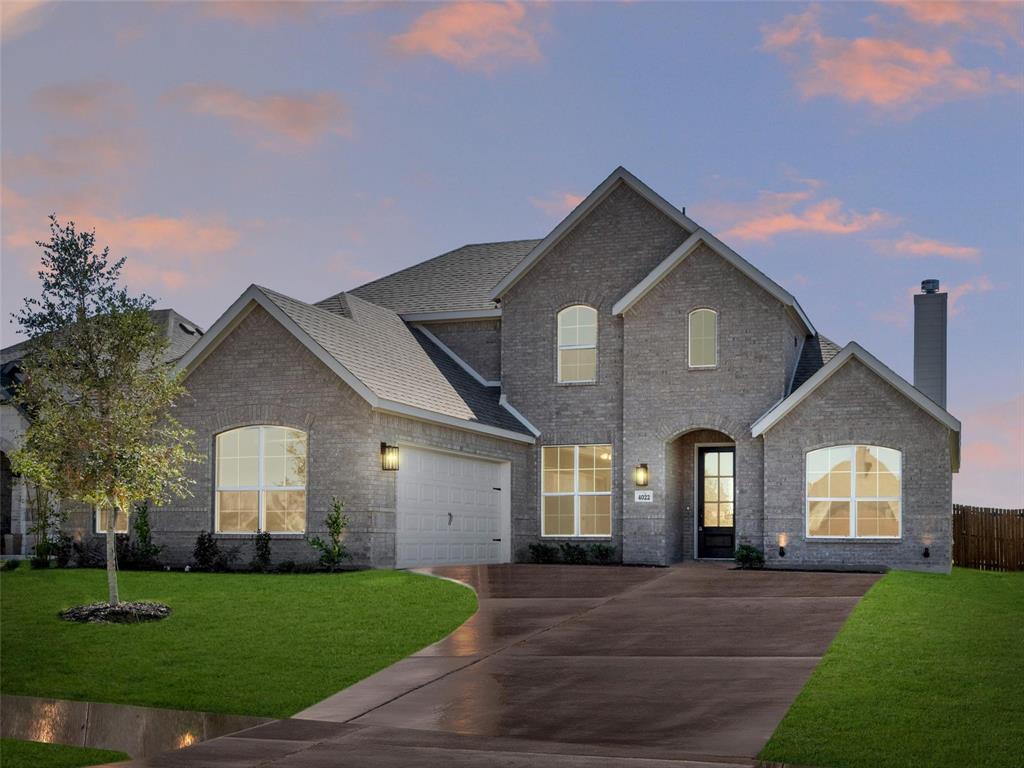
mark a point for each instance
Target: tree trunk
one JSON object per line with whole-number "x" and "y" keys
{"x": 112, "y": 555}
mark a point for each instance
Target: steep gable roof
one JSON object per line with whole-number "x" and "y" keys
{"x": 457, "y": 281}
{"x": 380, "y": 357}
{"x": 619, "y": 176}
{"x": 816, "y": 352}
{"x": 703, "y": 237}
{"x": 853, "y": 350}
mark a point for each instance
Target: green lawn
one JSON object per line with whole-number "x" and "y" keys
{"x": 235, "y": 643}
{"x": 35, "y": 754}
{"x": 927, "y": 671}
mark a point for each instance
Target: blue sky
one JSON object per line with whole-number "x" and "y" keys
{"x": 848, "y": 150}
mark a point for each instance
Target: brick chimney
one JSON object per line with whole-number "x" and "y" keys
{"x": 930, "y": 341}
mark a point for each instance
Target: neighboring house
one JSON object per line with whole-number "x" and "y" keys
{"x": 627, "y": 380}
{"x": 15, "y": 494}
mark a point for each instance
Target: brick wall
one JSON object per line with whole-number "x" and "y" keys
{"x": 608, "y": 253}
{"x": 856, "y": 406}
{"x": 478, "y": 342}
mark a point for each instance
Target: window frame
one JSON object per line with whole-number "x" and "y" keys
{"x": 689, "y": 339}
{"x": 576, "y": 493}
{"x": 852, "y": 499}
{"x": 559, "y": 346}
{"x": 100, "y": 529}
{"x": 260, "y": 489}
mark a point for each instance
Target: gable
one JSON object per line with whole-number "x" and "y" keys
{"x": 702, "y": 238}
{"x": 619, "y": 177}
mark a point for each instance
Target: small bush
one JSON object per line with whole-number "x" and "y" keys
{"x": 260, "y": 562}
{"x": 38, "y": 562}
{"x": 208, "y": 556}
{"x": 543, "y": 553}
{"x": 602, "y": 554}
{"x": 286, "y": 566}
{"x": 63, "y": 549}
{"x": 139, "y": 553}
{"x": 332, "y": 549}
{"x": 10, "y": 565}
{"x": 573, "y": 554}
{"x": 749, "y": 557}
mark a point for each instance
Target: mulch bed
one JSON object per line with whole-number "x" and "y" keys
{"x": 122, "y": 613}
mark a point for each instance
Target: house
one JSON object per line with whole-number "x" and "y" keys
{"x": 628, "y": 380}
{"x": 16, "y": 497}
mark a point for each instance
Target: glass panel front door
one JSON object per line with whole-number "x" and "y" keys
{"x": 716, "y": 502}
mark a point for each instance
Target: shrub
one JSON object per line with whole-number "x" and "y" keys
{"x": 39, "y": 562}
{"x": 573, "y": 554}
{"x": 91, "y": 553}
{"x": 602, "y": 554}
{"x": 208, "y": 555}
{"x": 749, "y": 557}
{"x": 261, "y": 560}
{"x": 332, "y": 549}
{"x": 10, "y": 565}
{"x": 286, "y": 566}
{"x": 63, "y": 549}
{"x": 141, "y": 553}
{"x": 543, "y": 553}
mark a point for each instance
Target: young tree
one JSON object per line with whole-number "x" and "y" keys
{"x": 98, "y": 389}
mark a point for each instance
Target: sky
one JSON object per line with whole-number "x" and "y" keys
{"x": 847, "y": 150}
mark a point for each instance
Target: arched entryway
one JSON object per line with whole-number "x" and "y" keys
{"x": 701, "y": 494}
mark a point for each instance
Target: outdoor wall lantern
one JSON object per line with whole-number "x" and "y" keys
{"x": 641, "y": 476}
{"x": 926, "y": 553}
{"x": 782, "y": 545}
{"x": 388, "y": 457}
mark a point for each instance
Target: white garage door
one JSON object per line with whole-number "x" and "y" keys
{"x": 449, "y": 509}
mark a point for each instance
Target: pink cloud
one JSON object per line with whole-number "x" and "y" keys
{"x": 778, "y": 213}
{"x": 1007, "y": 17}
{"x": 922, "y": 247}
{"x": 992, "y": 472}
{"x": 472, "y": 35}
{"x": 20, "y": 16}
{"x": 300, "y": 120}
{"x": 258, "y": 12}
{"x": 557, "y": 205}
{"x": 85, "y": 100}
{"x": 884, "y": 73}
{"x": 68, "y": 157}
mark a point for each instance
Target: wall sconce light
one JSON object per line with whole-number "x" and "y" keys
{"x": 782, "y": 545}
{"x": 388, "y": 457}
{"x": 782, "y": 551}
{"x": 926, "y": 553}
{"x": 641, "y": 477}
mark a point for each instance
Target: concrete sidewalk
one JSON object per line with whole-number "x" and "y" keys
{"x": 577, "y": 666}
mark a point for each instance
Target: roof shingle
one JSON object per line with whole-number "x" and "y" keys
{"x": 817, "y": 351}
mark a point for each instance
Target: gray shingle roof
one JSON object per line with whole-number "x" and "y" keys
{"x": 396, "y": 362}
{"x": 459, "y": 280}
{"x": 817, "y": 351}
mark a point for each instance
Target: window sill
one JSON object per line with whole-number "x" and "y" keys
{"x": 576, "y": 383}
{"x": 702, "y": 367}
{"x": 601, "y": 537}
{"x": 853, "y": 539}
{"x": 252, "y": 535}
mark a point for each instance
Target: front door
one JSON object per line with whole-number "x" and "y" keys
{"x": 716, "y": 493}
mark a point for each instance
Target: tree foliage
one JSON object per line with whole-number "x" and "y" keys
{"x": 98, "y": 387}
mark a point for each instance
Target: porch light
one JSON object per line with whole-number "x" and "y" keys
{"x": 782, "y": 545}
{"x": 926, "y": 553}
{"x": 641, "y": 476}
{"x": 388, "y": 457}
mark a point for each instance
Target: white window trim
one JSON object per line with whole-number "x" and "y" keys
{"x": 576, "y": 494}
{"x": 689, "y": 338}
{"x": 852, "y": 499}
{"x": 559, "y": 346}
{"x": 260, "y": 488}
{"x": 99, "y": 514}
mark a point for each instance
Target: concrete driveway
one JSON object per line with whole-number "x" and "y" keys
{"x": 693, "y": 665}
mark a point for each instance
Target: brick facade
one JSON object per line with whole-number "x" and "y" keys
{"x": 478, "y": 342}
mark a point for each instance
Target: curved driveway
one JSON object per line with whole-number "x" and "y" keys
{"x": 577, "y": 666}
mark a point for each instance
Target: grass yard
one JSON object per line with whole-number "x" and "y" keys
{"x": 235, "y": 643}
{"x": 927, "y": 671}
{"x": 35, "y": 754}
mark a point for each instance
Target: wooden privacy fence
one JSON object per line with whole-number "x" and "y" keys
{"x": 986, "y": 538}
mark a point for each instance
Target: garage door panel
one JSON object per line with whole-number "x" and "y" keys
{"x": 449, "y": 509}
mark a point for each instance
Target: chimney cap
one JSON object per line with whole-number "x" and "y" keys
{"x": 930, "y": 286}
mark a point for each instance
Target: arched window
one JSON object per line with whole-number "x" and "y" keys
{"x": 577, "y": 344}
{"x": 854, "y": 491}
{"x": 703, "y": 349}
{"x": 261, "y": 480}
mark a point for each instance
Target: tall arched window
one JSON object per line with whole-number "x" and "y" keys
{"x": 261, "y": 480}
{"x": 703, "y": 349}
{"x": 854, "y": 491}
{"x": 577, "y": 344}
